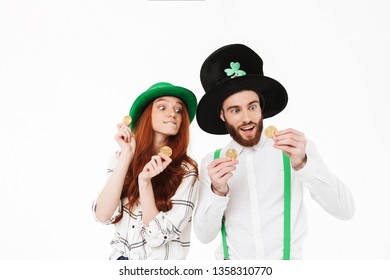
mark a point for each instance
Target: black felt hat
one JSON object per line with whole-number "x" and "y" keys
{"x": 231, "y": 69}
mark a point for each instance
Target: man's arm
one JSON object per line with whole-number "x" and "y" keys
{"x": 325, "y": 188}
{"x": 211, "y": 205}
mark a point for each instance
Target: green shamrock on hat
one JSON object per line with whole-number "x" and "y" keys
{"x": 235, "y": 69}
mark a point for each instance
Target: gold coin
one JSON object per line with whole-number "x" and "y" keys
{"x": 127, "y": 120}
{"x": 270, "y": 131}
{"x": 232, "y": 153}
{"x": 166, "y": 151}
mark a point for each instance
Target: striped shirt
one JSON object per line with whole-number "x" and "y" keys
{"x": 253, "y": 208}
{"x": 168, "y": 235}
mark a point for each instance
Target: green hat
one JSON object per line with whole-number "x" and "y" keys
{"x": 162, "y": 89}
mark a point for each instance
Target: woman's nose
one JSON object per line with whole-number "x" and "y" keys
{"x": 171, "y": 112}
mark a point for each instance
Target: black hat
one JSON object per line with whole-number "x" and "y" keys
{"x": 231, "y": 69}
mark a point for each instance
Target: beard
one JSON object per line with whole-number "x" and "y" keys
{"x": 235, "y": 133}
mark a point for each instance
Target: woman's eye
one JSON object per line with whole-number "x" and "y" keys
{"x": 161, "y": 108}
{"x": 178, "y": 111}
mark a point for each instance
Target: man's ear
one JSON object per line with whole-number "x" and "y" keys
{"x": 222, "y": 116}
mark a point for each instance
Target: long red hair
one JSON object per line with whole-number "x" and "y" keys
{"x": 166, "y": 183}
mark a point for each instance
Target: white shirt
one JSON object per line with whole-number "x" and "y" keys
{"x": 168, "y": 235}
{"x": 254, "y": 206}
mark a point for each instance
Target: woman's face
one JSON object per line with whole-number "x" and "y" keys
{"x": 167, "y": 115}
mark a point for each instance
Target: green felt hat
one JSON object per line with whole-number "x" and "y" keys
{"x": 158, "y": 90}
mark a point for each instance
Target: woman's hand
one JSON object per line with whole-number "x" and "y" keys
{"x": 154, "y": 167}
{"x": 126, "y": 140}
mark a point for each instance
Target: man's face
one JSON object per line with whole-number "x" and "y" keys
{"x": 242, "y": 115}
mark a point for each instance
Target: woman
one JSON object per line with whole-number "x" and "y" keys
{"x": 150, "y": 196}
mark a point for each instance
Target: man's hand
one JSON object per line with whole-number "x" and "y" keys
{"x": 293, "y": 143}
{"x": 220, "y": 171}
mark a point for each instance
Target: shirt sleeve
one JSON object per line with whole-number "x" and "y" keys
{"x": 110, "y": 168}
{"x": 169, "y": 225}
{"x": 325, "y": 188}
{"x": 210, "y": 207}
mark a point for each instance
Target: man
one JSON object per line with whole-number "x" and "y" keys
{"x": 257, "y": 199}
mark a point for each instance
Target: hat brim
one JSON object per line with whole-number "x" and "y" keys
{"x": 148, "y": 96}
{"x": 272, "y": 94}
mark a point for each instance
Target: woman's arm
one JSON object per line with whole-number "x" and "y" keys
{"x": 109, "y": 197}
{"x": 167, "y": 226}
{"x": 146, "y": 196}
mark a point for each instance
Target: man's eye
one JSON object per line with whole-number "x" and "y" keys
{"x": 253, "y": 107}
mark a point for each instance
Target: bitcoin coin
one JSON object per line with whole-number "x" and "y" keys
{"x": 127, "y": 120}
{"x": 166, "y": 151}
{"x": 270, "y": 131}
{"x": 232, "y": 153}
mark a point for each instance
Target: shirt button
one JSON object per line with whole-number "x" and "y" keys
{"x": 165, "y": 237}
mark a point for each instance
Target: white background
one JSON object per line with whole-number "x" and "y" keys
{"x": 70, "y": 70}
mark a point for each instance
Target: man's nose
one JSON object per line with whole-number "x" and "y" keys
{"x": 245, "y": 116}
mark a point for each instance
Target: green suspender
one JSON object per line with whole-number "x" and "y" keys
{"x": 287, "y": 206}
{"x": 287, "y": 210}
{"x": 223, "y": 230}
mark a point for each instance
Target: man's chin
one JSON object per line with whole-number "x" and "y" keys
{"x": 248, "y": 142}
{"x": 244, "y": 139}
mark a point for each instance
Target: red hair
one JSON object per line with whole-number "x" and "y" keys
{"x": 167, "y": 182}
